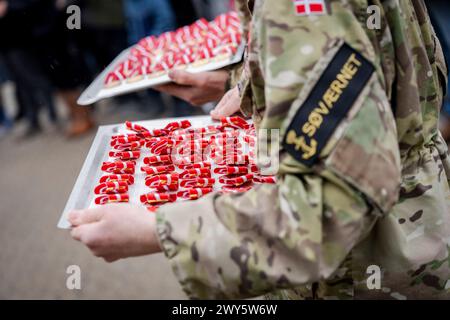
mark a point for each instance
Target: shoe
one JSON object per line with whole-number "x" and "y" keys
{"x": 31, "y": 132}
{"x": 79, "y": 127}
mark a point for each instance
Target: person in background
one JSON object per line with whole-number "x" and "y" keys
{"x": 103, "y": 33}
{"x": 42, "y": 57}
{"x": 58, "y": 51}
{"x": 32, "y": 87}
{"x": 440, "y": 17}
{"x": 146, "y": 18}
{"x": 5, "y": 122}
{"x": 185, "y": 12}
{"x": 209, "y": 9}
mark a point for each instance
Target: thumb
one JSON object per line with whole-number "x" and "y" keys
{"x": 77, "y": 218}
{"x": 229, "y": 105}
{"x": 183, "y": 77}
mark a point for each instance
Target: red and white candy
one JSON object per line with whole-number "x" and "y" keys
{"x": 111, "y": 187}
{"x": 196, "y": 173}
{"x": 131, "y": 146}
{"x": 119, "y": 167}
{"x": 158, "y": 198}
{"x": 125, "y": 155}
{"x": 112, "y": 198}
{"x": 135, "y": 127}
{"x": 157, "y": 160}
{"x": 197, "y": 183}
{"x": 194, "y": 193}
{"x": 265, "y": 179}
{"x": 161, "y": 180}
{"x": 199, "y": 165}
{"x": 151, "y": 170}
{"x": 233, "y": 180}
{"x": 235, "y": 122}
{"x": 228, "y": 170}
{"x": 128, "y": 178}
{"x": 178, "y": 125}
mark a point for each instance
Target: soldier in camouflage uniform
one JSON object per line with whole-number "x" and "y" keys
{"x": 364, "y": 172}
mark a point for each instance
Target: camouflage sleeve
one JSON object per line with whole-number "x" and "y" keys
{"x": 241, "y": 77}
{"x": 300, "y": 230}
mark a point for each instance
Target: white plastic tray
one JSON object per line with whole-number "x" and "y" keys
{"x": 97, "y": 91}
{"x": 82, "y": 195}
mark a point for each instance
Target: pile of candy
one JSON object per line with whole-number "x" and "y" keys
{"x": 194, "y": 45}
{"x": 183, "y": 163}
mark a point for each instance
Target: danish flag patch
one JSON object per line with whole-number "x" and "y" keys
{"x": 310, "y": 7}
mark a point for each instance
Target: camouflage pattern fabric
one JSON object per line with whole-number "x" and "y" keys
{"x": 379, "y": 193}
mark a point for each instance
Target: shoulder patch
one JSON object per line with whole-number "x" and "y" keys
{"x": 327, "y": 104}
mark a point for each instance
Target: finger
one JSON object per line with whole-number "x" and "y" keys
{"x": 88, "y": 216}
{"x": 215, "y": 114}
{"x": 184, "y": 78}
{"x": 77, "y": 233}
{"x": 88, "y": 234}
{"x": 178, "y": 91}
{"x": 110, "y": 259}
{"x": 166, "y": 88}
{"x": 224, "y": 110}
{"x": 74, "y": 217}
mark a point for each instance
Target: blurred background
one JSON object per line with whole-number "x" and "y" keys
{"x": 45, "y": 135}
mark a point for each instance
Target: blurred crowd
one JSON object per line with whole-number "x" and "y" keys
{"x": 45, "y": 60}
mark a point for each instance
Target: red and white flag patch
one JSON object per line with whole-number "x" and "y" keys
{"x": 310, "y": 7}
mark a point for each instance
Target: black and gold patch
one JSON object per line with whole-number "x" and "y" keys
{"x": 327, "y": 104}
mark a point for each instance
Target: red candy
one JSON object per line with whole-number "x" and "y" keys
{"x": 119, "y": 167}
{"x": 112, "y": 198}
{"x": 135, "y": 127}
{"x": 197, "y": 183}
{"x": 235, "y": 122}
{"x": 178, "y": 125}
{"x": 196, "y": 173}
{"x": 161, "y": 180}
{"x": 158, "y": 169}
{"x": 122, "y": 139}
{"x": 233, "y": 180}
{"x": 118, "y": 177}
{"x": 125, "y": 155}
{"x": 199, "y": 165}
{"x": 153, "y": 133}
{"x": 265, "y": 179}
{"x": 162, "y": 147}
{"x": 234, "y": 159}
{"x": 158, "y": 198}
{"x": 237, "y": 189}
{"x": 131, "y": 146}
{"x": 231, "y": 170}
{"x": 153, "y": 160}
{"x": 194, "y": 193}
{"x": 111, "y": 187}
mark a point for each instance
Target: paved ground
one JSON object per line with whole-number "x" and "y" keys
{"x": 36, "y": 177}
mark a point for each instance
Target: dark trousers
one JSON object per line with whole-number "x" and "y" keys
{"x": 33, "y": 89}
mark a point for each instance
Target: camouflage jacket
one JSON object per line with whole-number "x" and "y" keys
{"x": 362, "y": 205}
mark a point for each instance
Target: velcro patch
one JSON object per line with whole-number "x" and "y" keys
{"x": 327, "y": 104}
